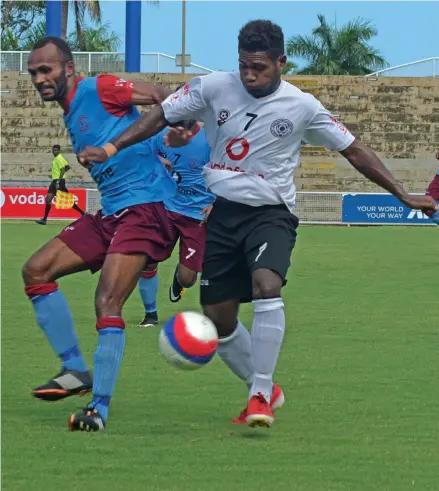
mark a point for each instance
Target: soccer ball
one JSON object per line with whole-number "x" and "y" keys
{"x": 188, "y": 340}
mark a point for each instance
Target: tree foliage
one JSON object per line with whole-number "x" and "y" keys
{"x": 338, "y": 51}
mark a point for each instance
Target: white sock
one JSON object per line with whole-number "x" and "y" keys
{"x": 235, "y": 351}
{"x": 266, "y": 338}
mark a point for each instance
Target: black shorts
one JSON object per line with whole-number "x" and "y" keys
{"x": 240, "y": 240}
{"x": 61, "y": 186}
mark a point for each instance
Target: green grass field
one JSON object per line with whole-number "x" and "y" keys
{"x": 359, "y": 367}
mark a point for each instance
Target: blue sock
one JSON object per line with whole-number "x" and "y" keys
{"x": 148, "y": 288}
{"x": 435, "y": 217}
{"x": 107, "y": 360}
{"x": 55, "y": 319}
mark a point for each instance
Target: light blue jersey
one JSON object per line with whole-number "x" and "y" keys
{"x": 187, "y": 166}
{"x": 135, "y": 175}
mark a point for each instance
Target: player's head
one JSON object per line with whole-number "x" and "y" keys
{"x": 56, "y": 150}
{"x": 52, "y": 68}
{"x": 261, "y": 57}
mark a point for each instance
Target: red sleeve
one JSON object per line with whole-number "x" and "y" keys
{"x": 115, "y": 94}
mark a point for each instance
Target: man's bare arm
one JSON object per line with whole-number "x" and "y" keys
{"x": 144, "y": 127}
{"x": 145, "y": 94}
{"x": 367, "y": 162}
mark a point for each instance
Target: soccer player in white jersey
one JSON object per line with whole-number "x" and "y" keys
{"x": 254, "y": 124}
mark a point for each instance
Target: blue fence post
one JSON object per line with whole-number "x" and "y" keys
{"x": 132, "y": 35}
{"x": 53, "y": 18}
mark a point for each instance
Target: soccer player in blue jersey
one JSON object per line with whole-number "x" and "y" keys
{"x": 129, "y": 231}
{"x": 185, "y": 212}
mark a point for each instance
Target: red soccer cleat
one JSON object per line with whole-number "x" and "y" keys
{"x": 259, "y": 412}
{"x": 277, "y": 400}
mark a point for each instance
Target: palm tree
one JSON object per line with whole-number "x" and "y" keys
{"x": 289, "y": 68}
{"x": 36, "y": 32}
{"x": 338, "y": 51}
{"x": 96, "y": 40}
{"x": 9, "y": 42}
{"x": 80, "y": 8}
{"x": 99, "y": 40}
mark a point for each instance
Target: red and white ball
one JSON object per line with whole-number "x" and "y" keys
{"x": 188, "y": 340}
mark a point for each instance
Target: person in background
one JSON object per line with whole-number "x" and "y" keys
{"x": 59, "y": 168}
{"x": 433, "y": 191}
{"x": 186, "y": 210}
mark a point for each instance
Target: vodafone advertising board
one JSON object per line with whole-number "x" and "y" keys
{"x": 29, "y": 203}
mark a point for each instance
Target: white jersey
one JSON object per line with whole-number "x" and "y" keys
{"x": 255, "y": 143}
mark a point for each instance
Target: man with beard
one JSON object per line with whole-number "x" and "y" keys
{"x": 129, "y": 231}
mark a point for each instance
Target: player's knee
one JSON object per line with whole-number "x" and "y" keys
{"x": 34, "y": 273}
{"x": 107, "y": 304}
{"x": 225, "y": 325}
{"x": 49, "y": 199}
{"x": 266, "y": 284}
{"x": 186, "y": 277}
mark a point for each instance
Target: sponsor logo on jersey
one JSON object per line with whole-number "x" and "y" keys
{"x": 215, "y": 165}
{"x": 83, "y": 123}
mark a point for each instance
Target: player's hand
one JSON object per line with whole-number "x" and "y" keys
{"x": 425, "y": 203}
{"x": 206, "y": 212}
{"x": 437, "y": 155}
{"x": 177, "y": 137}
{"x": 92, "y": 154}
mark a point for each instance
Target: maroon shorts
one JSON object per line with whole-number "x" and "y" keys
{"x": 192, "y": 235}
{"x": 139, "y": 229}
{"x": 433, "y": 188}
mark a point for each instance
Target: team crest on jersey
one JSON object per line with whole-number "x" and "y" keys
{"x": 281, "y": 128}
{"x": 223, "y": 116}
{"x": 176, "y": 176}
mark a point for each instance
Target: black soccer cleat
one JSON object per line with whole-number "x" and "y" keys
{"x": 176, "y": 291}
{"x": 87, "y": 419}
{"x": 41, "y": 221}
{"x": 151, "y": 319}
{"x": 67, "y": 383}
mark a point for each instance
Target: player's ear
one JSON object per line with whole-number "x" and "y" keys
{"x": 70, "y": 68}
{"x": 281, "y": 62}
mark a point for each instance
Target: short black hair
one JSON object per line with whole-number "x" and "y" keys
{"x": 62, "y": 46}
{"x": 56, "y": 146}
{"x": 262, "y": 35}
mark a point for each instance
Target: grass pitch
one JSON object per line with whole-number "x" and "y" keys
{"x": 359, "y": 367}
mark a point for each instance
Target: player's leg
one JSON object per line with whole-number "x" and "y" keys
{"x": 433, "y": 191}
{"x": 141, "y": 234}
{"x": 192, "y": 245}
{"x": 51, "y": 192}
{"x": 224, "y": 282}
{"x": 53, "y": 261}
{"x": 148, "y": 288}
{"x": 118, "y": 279}
{"x": 268, "y": 250}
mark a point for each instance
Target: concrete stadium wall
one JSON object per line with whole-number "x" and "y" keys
{"x": 397, "y": 117}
